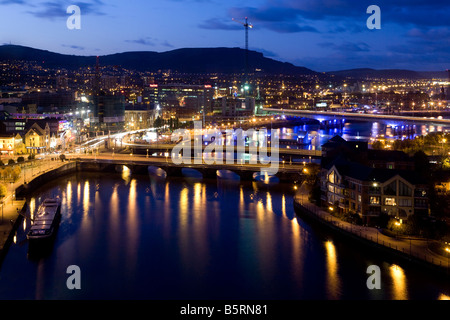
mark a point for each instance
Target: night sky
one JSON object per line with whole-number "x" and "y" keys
{"x": 323, "y": 35}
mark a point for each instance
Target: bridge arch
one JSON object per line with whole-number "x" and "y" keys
{"x": 157, "y": 171}
{"x": 265, "y": 178}
{"x": 227, "y": 174}
{"x": 191, "y": 173}
{"x": 120, "y": 168}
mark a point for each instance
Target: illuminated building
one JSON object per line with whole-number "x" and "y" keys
{"x": 139, "y": 117}
{"x": 37, "y": 140}
{"x": 108, "y": 112}
{"x": 7, "y": 145}
{"x": 182, "y": 100}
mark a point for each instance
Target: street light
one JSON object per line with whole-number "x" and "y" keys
{"x": 397, "y": 224}
{"x": 447, "y": 249}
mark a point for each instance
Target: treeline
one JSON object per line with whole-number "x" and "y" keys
{"x": 437, "y": 141}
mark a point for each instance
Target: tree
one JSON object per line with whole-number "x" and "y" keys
{"x": 158, "y": 122}
{"x": 312, "y": 174}
{"x": 62, "y": 157}
{"x": 11, "y": 162}
{"x": 421, "y": 162}
{"x": 16, "y": 173}
{"x": 6, "y": 173}
{"x": 20, "y": 159}
{"x": 377, "y": 145}
{"x": 3, "y": 190}
{"x": 446, "y": 162}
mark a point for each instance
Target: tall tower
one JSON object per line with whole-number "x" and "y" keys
{"x": 246, "y": 27}
{"x": 448, "y": 85}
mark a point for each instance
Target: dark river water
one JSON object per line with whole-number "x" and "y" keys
{"x": 144, "y": 237}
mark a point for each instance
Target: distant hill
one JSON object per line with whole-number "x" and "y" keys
{"x": 188, "y": 60}
{"x": 198, "y": 60}
{"x": 388, "y": 74}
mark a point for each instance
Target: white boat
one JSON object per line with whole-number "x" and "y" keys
{"x": 46, "y": 220}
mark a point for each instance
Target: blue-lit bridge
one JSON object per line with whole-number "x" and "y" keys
{"x": 330, "y": 115}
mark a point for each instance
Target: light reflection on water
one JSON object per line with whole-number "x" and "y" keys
{"x": 399, "y": 283}
{"x": 333, "y": 280}
{"x": 353, "y": 130}
{"x": 151, "y": 238}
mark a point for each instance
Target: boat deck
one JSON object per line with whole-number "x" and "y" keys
{"x": 44, "y": 218}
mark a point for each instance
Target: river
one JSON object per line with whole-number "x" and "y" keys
{"x": 145, "y": 237}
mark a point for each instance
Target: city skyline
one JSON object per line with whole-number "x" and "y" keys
{"x": 320, "y": 35}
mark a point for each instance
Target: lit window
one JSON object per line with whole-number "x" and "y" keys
{"x": 389, "y": 202}
{"x": 374, "y": 200}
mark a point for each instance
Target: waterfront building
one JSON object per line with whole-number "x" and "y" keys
{"x": 350, "y": 187}
{"x": 355, "y": 179}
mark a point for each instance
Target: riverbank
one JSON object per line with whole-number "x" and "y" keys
{"x": 13, "y": 206}
{"x": 10, "y": 220}
{"x": 407, "y": 250}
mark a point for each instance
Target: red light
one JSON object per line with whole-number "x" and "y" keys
{"x": 207, "y": 86}
{"x": 153, "y": 86}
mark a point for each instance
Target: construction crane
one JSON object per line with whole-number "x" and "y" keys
{"x": 246, "y": 26}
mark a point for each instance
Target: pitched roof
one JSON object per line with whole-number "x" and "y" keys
{"x": 387, "y": 155}
{"x": 364, "y": 173}
{"x": 337, "y": 139}
{"x": 36, "y": 128}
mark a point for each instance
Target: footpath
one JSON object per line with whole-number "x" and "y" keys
{"x": 412, "y": 249}
{"x": 11, "y": 208}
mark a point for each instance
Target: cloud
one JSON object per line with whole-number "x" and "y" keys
{"x": 347, "y": 46}
{"x": 422, "y": 44}
{"x": 165, "y": 43}
{"x": 288, "y": 27}
{"x": 147, "y": 41}
{"x": 151, "y": 42}
{"x": 56, "y": 9}
{"x": 7, "y": 2}
{"x": 73, "y": 47}
{"x": 420, "y": 13}
{"x": 218, "y": 24}
{"x": 430, "y": 34}
{"x": 277, "y": 19}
